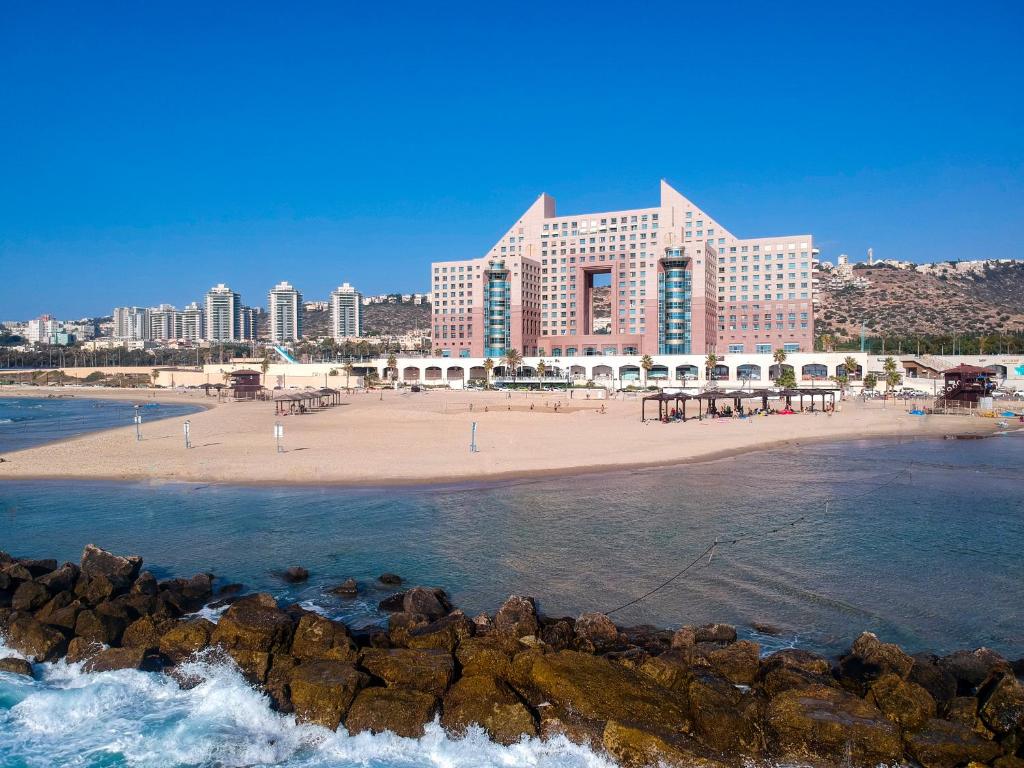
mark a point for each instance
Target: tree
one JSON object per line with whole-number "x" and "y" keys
{"x": 513, "y": 360}
{"x": 646, "y": 363}
{"x": 787, "y": 378}
{"x": 828, "y": 342}
{"x": 850, "y": 363}
{"x": 393, "y": 365}
{"x": 709, "y": 365}
{"x": 264, "y": 367}
{"x": 348, "y": 373}
{"x": 541, "y": 369}
{"x": 154, "y": 375}
{"x": 488, "y": 367}
{"x": 892, "y": 374}
{"x": 870, "y": 382}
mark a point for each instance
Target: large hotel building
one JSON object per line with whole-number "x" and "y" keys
{"x": 662, "y": 280}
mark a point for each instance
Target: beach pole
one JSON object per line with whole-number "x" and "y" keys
{"x": 138, "y": 423}
{"x": 188, "y": 429}
{"x": 278, "y": 434}
{"x": 472, "y": 444}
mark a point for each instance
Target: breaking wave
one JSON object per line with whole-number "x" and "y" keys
{"x": 66, "y": 717}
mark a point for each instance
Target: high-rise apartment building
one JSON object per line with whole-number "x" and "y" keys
{"x": 346, "y": 312}
{"x": 189, "y": 323}
{"x": 223, "y": 314}
{"x": 284, "y": 313}
{"x": 249, "y": 319}
{"x": 131, "y": 323}
{"x": 667, "y": 279}
{"x": 163, "y": 321}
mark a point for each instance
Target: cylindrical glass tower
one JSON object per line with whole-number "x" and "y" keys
{"x": 497, "y": 309}
{"x": 674, "y": 296}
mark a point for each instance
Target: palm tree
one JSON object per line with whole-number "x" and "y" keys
{"x": 348, "y": 373}
{"x": 513, "y": 360}
{"x": 850, "y": 363}
{"x": 393, "y": 365}
{"x": 646, "y": 363}
{"x": 541, "y": 369}
{"x": 709, "y": 365}
{"x": 892, "y": 374}
{"x": 870, "y": 382}
{"x": 264, "y": 367}
{"x": 779, "y": 356}
{"x": 488, "y": 367}
{"x": 828, "y": 342}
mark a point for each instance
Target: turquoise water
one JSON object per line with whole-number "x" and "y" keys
{"x": 29, "y": 421}
{"x": 920, "y": 542}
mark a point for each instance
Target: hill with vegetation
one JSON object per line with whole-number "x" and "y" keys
{"x": 378, "y": 319}
{"x": 907, "y": 303}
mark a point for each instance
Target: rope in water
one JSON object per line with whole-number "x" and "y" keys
{"x": 709, "y": 551}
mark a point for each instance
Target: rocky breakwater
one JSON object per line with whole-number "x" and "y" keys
{"x": 697, "y": 696}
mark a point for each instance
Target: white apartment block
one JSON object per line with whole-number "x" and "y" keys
{"x": 284, "y": 310}
{"x": 346, "y": 312}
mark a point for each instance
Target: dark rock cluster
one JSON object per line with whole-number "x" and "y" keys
{"x": 696, "y": 696}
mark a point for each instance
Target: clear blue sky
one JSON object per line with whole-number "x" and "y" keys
{"x": 149, "y": 150}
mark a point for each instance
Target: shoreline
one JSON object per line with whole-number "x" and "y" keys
{"x": 469, "y": 482}
{"x": 399, "y": 440}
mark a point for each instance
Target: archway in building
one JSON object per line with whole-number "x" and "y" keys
{"x": 720, "y": 373}
{"x": 855, "y": 375}
{"x": 629, "y": 373}
{"x": 749, "y": 372}
{"x": 527, "y": 371}
{"x": 775, "y": 372}
{"x": 577, "y": 370}
{"x": 658, "y": 372}
{"x": 687, "y": 372}
{"x": 410, "y": 373}
{"x": 603, "y": 371}
{"x": 478, "y": 372}
{"x": 432, "y": 373}
{"x": 814, "y": 371}
{"x": 455, "y": 373}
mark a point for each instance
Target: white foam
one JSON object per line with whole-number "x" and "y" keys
{"x": 146, "y": 720}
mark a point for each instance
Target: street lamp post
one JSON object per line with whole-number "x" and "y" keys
{"x": 188, "y": 433}
{"x": 137, "y": 418}
{"x": 278, "y": 435}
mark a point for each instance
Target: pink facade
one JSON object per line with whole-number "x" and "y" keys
{"x": 678, "y": 282}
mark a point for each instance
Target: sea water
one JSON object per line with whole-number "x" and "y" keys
{"x": 30, "y": 421}
{"x": 919, "y": 541}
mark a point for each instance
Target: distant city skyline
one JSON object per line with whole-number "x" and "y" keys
{"x": 371, "y": 145}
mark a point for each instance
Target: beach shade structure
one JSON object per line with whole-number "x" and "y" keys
{"x": 812, "y": 392}
{"x": 286, "y": 402}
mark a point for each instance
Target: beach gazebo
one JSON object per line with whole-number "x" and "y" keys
{"x": 245, "y": 384}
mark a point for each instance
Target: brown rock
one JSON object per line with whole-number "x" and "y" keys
{"x": 143, "y": 633}
{"x": 118, "y": 571}
{"x": 120, "y": 658}
{"x": 1001, "y": 701}
{"x": 489, "y": 703}
{"x": 968, "y": 668}
{"x": 634, "y": 746}
{"x": 517, "y": 617}
{"x": 29, "y": 596}
{"x": 559, "y": 634}
{"x": 870, "y": 659}
{"x": 597, "y": 630}
{"x": 822, "y": 723}
{"x": 62, "y": 579}
{"x": 80, "y": 649}
{"x": 426, "y": 602}
{"x": 725, "y": 718}
{"x": 35, "y": 640}
{"x": 401, "y": 711}
{"x": 145, "y": 584}
{"x": 927, "y": 673}
{"x": 254, "y": 665}
{"x": 278, "y": 681}
{"x": 444, "y": 634}
{"x": 322, "y": 691}
{"x": 254, "y": 623}
{"x": 295, "y": 574}
{"x": 671, "y": 670}
{"x": 715, "y": 633}
{"x": 98, "y": 627}
{"x": 941, "y": 744}
{"x": 62, "y": 611}
{"x": 737, "y": 662}
{"x": 182, "y": 639}
{"x": 16, "y": 666}
{"x": 347, "y": 588}
{"x": 318, "y": 638}
{"x": 489, "y": 655}
{"x": 684, "y": 637}
{"x": 430, "y": 671}
{"x": 791, "y": 668}
{"x": 391, "y": 579}
{"x": 907, "y": 704}
{"x": 400, "y": 624}
{"x": 597, "y": 689}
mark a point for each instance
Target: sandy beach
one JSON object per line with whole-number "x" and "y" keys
{"x": 399, "y": 437}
